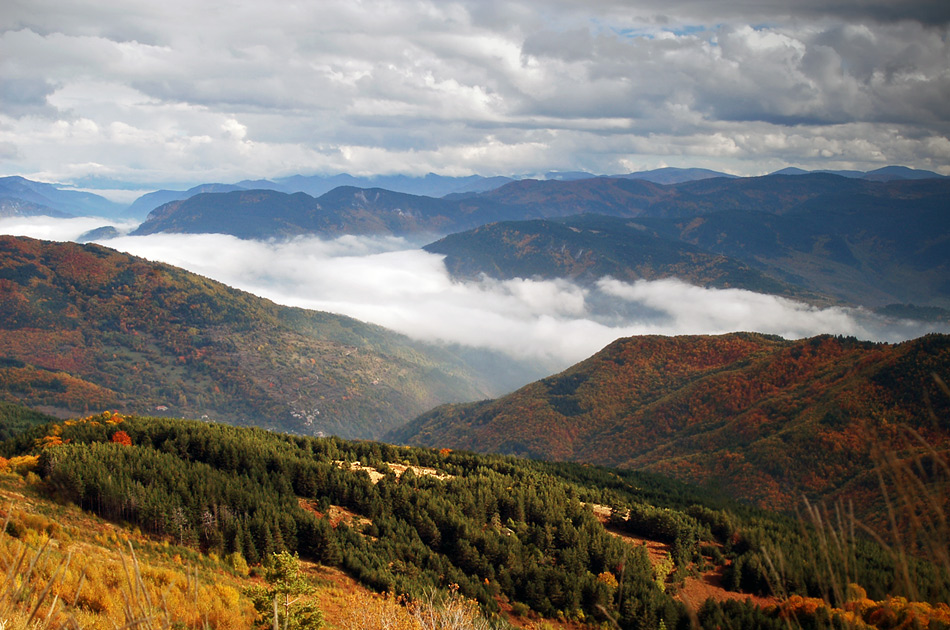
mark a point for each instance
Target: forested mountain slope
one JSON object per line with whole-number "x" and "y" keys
{"x": 765, "y": 419}
{"x": 857, "y": 250}
{"x": 585, "y": 248}
{"x": 83, "y": 327}
{"x": 516, "y": 536}
{"x": 863, "y": 248}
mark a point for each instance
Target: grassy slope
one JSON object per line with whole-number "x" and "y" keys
{"x": 179, "y": 586}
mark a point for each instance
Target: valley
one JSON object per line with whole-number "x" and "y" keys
{"x": 666, "y": 480}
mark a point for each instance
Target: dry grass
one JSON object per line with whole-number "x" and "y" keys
{"x": 69, "y": 584}
{"x": 914, "y": 483}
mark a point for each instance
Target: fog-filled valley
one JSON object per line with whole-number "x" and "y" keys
{"x": 546, "y": 325}
{"x": 475, "y": 315}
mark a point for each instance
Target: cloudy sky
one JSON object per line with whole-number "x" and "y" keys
{"x": 135, "y": 94}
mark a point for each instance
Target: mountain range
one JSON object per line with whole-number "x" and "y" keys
{"x": 750, "y": 421}
{"x": 263, "y": 214}
{"x": 22, "y": 197}
{"x": 367, "y": 210}
{"x": 858, "y": 251}
{"x": 832, "y": 238}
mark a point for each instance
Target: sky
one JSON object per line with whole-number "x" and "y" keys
{"x": 133, "y": 95}
{"x": 549, "y": 325}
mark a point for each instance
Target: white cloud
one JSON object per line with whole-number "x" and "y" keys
{"x": 556, "y": 323}
{"x": 690, "y": 309}
{"x": 49, "y": 229}
{"x": 175, "y": 92}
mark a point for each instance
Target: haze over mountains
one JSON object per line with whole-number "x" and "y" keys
{"x": 22, "y": 197}
{"x": 16, "y": 191}
{"x": 586, "y": 259}
{"x": 721, "y": 256}
{"x": 852, "y": 240}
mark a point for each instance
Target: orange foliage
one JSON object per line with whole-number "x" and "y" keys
{"x": 48, "y": 441}
{"x": 861, "y": 612}
{"x": 121, "y": 437}
{"x": 22, "y": 464}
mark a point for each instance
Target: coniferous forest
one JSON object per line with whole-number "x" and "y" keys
{"x": 502, "y": 531}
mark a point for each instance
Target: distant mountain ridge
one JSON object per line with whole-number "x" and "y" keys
{"x": 254, "y": 214}
{"x": 22, "y": 197}
{"x": 885, "y": 174}
{"x": 863, "y": 242}
{"x": 766, "y": 419}
{"x": 316, "y": 185}
{"x": 15, "y": 207}
{"x": 585, "y": 248}
{"x": 356, "y": 211}
{"x": 849, "y": 247}
{"x": 85, "y": 328}
{"x": 430, "y": 185}
{"x": 140, "y": 208}
{"x": 671, "y": 175}
{"x": 774, "y": 194}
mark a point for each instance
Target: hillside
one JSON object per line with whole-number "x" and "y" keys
{"x": 203, "y": 505}
{"x": 588, "y": 247}
{"x": 865, "y": 250}
{"x": 765, "y": 419}
{"x": 83, "y": 328}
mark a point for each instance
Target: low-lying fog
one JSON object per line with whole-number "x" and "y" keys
{"x": 553, "y": 324}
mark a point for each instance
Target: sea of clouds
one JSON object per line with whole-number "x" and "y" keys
{"x": 550, "y": 323}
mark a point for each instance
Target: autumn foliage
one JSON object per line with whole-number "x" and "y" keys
{"x": 893, "y": 613}
{"x": 83, "y": 327}
{"x": 767, "y": 419}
